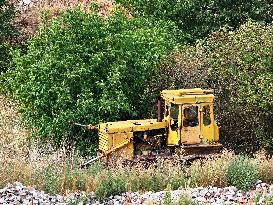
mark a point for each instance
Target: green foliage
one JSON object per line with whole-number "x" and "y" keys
{"x": 83, "y": 68}
{"x": 51, "y": 180}
{"x": 94, "y": 169}
{"x": 8, "y": 30}
{"x": 257, "y": 197}
{"x": 5, "y": 57}
{"x": 185, "y": 200}
{"x": 269, "y": 199}
{"x": 167, "y": 200}
{"x": 152, "y": 182}
{"x": 110, "y": 185}
{"x": 196, "y": 19}
{"x": 177, "y": 180}
{"x": 240, "y": 69}
{"x": 242, "y": 173}
{"x": 132, "y": 179}
{"x": 238, "y": 66}
{"x": 7, "y": 26}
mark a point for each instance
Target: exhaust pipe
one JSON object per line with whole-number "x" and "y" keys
{"x": 159, "y": 110}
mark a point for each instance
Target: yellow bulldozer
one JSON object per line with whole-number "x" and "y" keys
{"x": 185, "y": 124}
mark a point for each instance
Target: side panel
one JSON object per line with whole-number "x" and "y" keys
{"x": 116, "y": 144}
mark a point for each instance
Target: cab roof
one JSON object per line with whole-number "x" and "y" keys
{"x": 187, "y": 96}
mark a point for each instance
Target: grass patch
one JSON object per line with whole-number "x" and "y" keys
{"x": 242, "y": 172}
{"x": 265, "y": 167}
{"x": 60, "y": 173}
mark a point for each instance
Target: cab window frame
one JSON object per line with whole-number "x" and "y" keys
{"x": 191, "y": 119}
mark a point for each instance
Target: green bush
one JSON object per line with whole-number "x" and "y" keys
{"x": 238, "y": 66}
{"x": 110, "y": 185}
{"x": 240, "y": 69}
{"x": 51, "y": 180}
{"x": 5, "y": 57}
{"x": 196, "y": 19}
{"x": 83, "y": 68}
{"x": 242, "y": 173}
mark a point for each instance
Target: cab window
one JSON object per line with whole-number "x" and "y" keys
{"x": 206, "y": 115}
{"x": 190, "y": 116}
{"x": 174, "y": 111}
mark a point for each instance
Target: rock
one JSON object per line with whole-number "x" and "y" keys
{"x": 233, "y": 188}
{"x": 17, "y": 193}
{"x": 211, "y": 200}
{"x": 258, "y": 182}
{"x": 35, "y": 201}
{"x": 239, "y": 194}
{"x": 203, "y": 192}
{"x": 271, "y": 189}
{"x": 194, "y": 195}
{"x": 18, "y": 185}
{"x": 201, "y": 199}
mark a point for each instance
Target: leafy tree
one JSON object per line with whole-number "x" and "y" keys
{"x": 83, "y": 68}
{"x": 197, "y": 18}
{"x": 238, "y": 66}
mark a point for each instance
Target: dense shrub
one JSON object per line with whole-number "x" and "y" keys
{"x": 5, "y": 57}
{"x": 242, "y": 173}
{"x": 238, "y": 65}
{"x": 240, "y": 69}
{"x": 7, "y": 25}
{"x": 196, "y": 19}
{"x": 8, "y": 30}
{"x": 83, "y": 68}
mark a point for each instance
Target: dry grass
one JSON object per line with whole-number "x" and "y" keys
{"x": 211, "y": 172}
{"x": 29, "y": 11}
{"x": 265, "y": 167}
{"x": 13, "y": 141}
{"x": 59, "y": 172}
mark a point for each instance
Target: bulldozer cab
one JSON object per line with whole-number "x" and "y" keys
{"x": 189, "y": 114}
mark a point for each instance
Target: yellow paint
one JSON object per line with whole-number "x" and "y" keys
{"x": 191, "y": 135}
{"x": 207, "y": 131}
{"x": 173, "y": 138}
{"x": 116, "y": 138}
{"x": 216, "y": 132}
{"x": 132, "y": 126}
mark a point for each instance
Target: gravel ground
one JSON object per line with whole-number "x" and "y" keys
{"x": 19, "y": 194}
